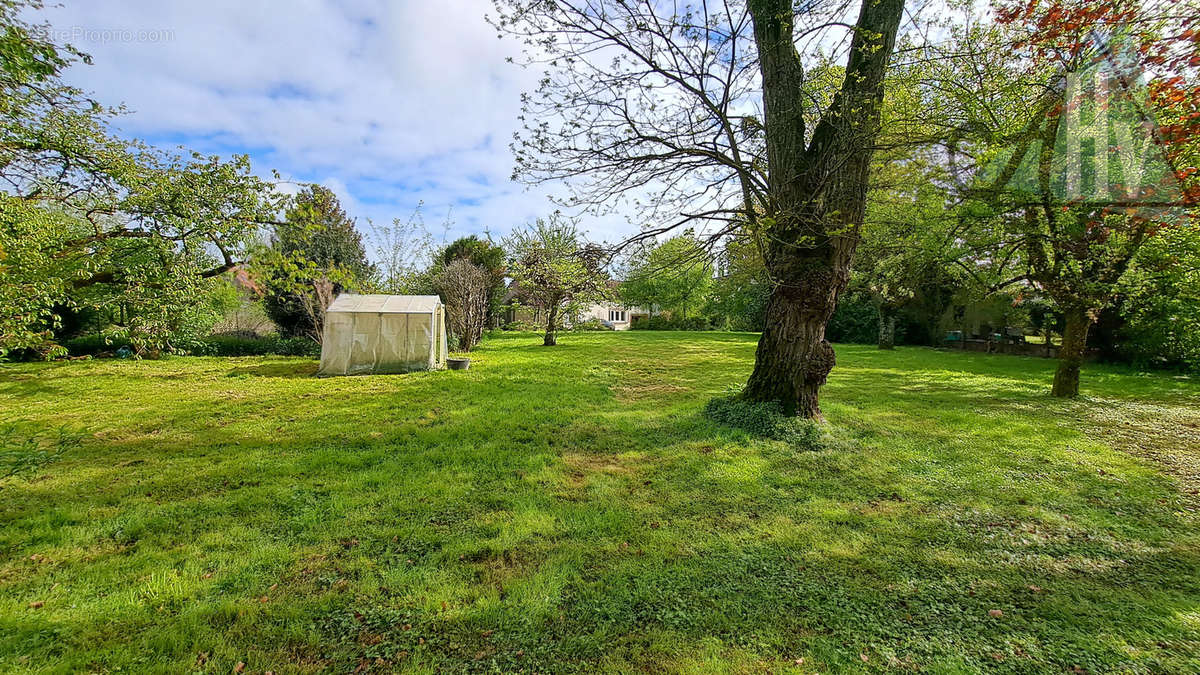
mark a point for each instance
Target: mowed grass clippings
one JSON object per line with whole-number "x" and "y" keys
{"x": 569, "y": 509}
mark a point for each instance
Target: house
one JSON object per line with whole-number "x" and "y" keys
{"x": 614, "y": 315}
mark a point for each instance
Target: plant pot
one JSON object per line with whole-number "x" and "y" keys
{"x": 458, "y": 364}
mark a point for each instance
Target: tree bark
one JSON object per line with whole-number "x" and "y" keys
{"x": 1070, "y": 354}
{"x": 816, "y": 196}
{"x": 793, "y": 357}
{"x": 551, "y": 338}
{"x": 887, "y": 327}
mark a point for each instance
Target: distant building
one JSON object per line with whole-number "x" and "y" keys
{"x": 615, "y": 315}
{"x": 612, "y": 314}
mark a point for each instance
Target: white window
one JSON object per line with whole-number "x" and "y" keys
{"x": 616, "y": 315}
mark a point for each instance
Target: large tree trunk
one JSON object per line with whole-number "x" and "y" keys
{"x": 1070, "y": 354}
{"x": 816, "y": 196}
{"x": 793, "y": 357}
{"x": 551, "y": 338}
{"x": 887, "y": 327}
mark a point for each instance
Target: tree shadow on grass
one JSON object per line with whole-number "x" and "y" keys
{"x": 278, "y": 369}
{"x": 641, "y": 551}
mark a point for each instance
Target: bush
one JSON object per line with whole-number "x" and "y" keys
{"x": 297, "y": 347}
{"x": 662, "y": 322}
{"x": 855, "y": 321}
{"x": 230, "y": 344}
{"x": 91, "y": 345}
{"x": 766, "y": 420}
{"x": 523, "y": 327}
{"x": 240, "y": 345}
{"x": 591, "y": 324}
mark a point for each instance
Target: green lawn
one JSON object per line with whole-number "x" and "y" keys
{"x": 568, "y": 509}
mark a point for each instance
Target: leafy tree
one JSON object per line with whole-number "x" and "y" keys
{"x": 89, "y": 221}
{"x": 646, "y": 96}
{"x": 555, "y": 272}
{"x": 481, "y": 252}
{"x": 316, "y": 253}
{"x": 675, "y": 275}
{"x": 909, "y": 241}
{"x": 1159, "y": 301}
{"x": 856, "y": 320}
{"x": 741, "y": 290}
{"x": 1071, "y": 181}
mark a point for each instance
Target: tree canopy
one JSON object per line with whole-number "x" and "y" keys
{"x": 673, "y": 276}
{"x": 315, "y": 253}
{"x": 90, "y": 220}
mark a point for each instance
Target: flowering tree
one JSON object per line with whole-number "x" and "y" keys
{"x": 555, "y": 272}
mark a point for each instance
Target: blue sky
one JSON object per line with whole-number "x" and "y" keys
{"x": 390, "y": 104}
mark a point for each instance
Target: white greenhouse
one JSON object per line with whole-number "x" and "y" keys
{"x": 383, "y": 334}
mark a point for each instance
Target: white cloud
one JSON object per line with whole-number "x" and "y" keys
{"x": 387, "y": 103}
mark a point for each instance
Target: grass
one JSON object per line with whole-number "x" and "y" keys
{"x": 569, "y": 509}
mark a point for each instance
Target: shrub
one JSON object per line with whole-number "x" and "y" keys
{"x": 766, "y": 420}
{"x": 241, "y": 345}
{"x": 297, "y": 347}
{"x": 661, "y": 322}
{"x": 591, "y": 324}
{"x": 91, "y": 345}
{"x": 855, "y": 321}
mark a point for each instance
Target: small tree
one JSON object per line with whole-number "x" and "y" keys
{"x": 489, "y": 258}
{"x": 405, "y": 252}
{"x": 556, "y": 274}
{"x": 465, "y": 288}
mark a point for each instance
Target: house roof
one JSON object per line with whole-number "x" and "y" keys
{"x": 385, "y": 304}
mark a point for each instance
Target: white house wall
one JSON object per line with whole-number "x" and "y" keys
{"x": 600, "y": 312}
